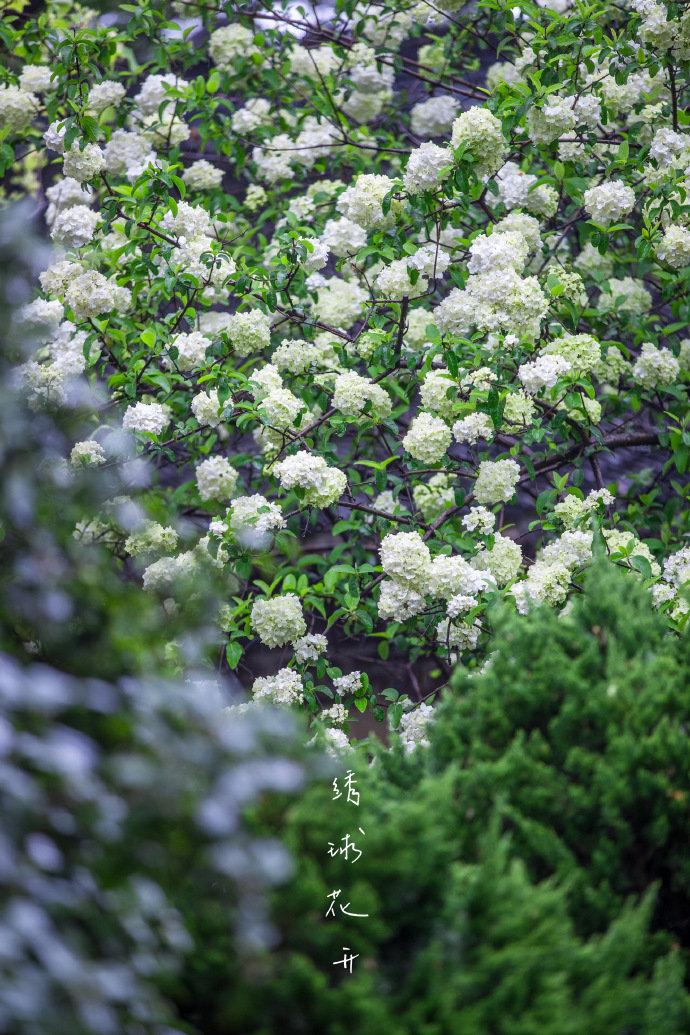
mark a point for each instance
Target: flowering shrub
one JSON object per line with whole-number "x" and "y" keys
{"x": 395, "y": 336}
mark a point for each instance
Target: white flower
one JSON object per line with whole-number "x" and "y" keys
{"x": 284, "y": 688}
{"x": 255, "y": 113}
{"x": 674, "y": 247}
{"x": 254, "y": 519}
{"x": 41, "y": 318}
{"x": 216, "y": 478}
{"x": 155, "y": 89}
{"x": 191, "y": 350}
{"x": 625, "y": 295}
{"x": 479, "y": 519}
{"x": 362, "y": 201}
{"x": 149, "y": 417}
{"x": 450, "y": 576}
{"x": 459, "y": 636}
{"x": 656, "y": 368}
{"x": 17, "y": 107}
{"x": 352, "y": 393}
{"x": 279, "y": 620}
{"x": 426, "y": 167}
{"x": 414, "y": 727}
{"x": 474, "y": 427}
{"x": 35, "y": 78}
{"x": 542, "y": 372}
{"x": 545, "y": 584}
{"x": 106, "y": 94}
{"x": 496, "y": 481}
{"x": 482, "y": 134}
{"x": 83, "y": 163}
{"x": 230, "y": 42}
{"x": 405, "y": 558}
{"x": 309, "y": 648}
{"x": 249, "y": 332}
{"x": 128, "y": 153}
{"x": 348, "y": 684}
{"x": 75, "y": 226}
{"x": 434, "y": 117}
{"x": 438, "y": 392}
{"x": 152, "y": 538}
{"x": 343, "y": 237}
{"x": 609, "y": 202}
{"x": 202, "y": 175}
{"x": 428, "y": 438}
{"x": 206, "y": 407}
{"x": 322, "y": 484}
{"x": 91, "y": 294}
{"x": 280, "y": 409}
{"x": 399, "y": 602}
{"x": 87, "y": 454}
{"x": 189, "y": 221}
{"x": 498, "y": 251}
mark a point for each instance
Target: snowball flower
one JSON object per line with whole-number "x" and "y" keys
{"x": 428, "y": 438}
{"x": 309, "y": 648}
{"x": 279, "y": 620}
{"x": 106, "y": 94}
{"x": 609, "y": 202}
{"x": 75, "y": 226}
{"x": 83, "y": 163}
{"x": 414, "y": 727}
{"x": 216, "y": 478}
{"x": 91, "y": 294}
{"x": 362, "y": 202}
{"x": 482, "y": 134}
{"x": 674, "y": 247}
{"x": 352, "y": 393}
{"x": 322, "y": 484}
{"x": 405, "y": 558}
{"x": 496, "y": 481}
{"x": 474, "y": 427}
{"x": 426, "y": 168}
{"x": 503, "y": 560}
{"x": 191, "y": 350}
{"x": 205, "y": 407}
{"x": 249, "y": 332}
{"x": 285, "y": 688}
{"x": 450, "y": 576}
{"x": 434, "y": 117}
{"x": 202, "y": 175}
{"x": 542, "y": 372}
{"x": 398, "y": 603}
{"x": 655, "y": 367}
{"x": 150, "y": 417}
{"x": 253, "y": 520}
{"x": 87, "y": 454}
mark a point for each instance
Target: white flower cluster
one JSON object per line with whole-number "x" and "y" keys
{"x": 284, "y": 689}
{"x": 426, "y": 168}
{"x": 609, "y": 202}
{"x": 655, "y": 368}
{"x": 354, "y": 395}
{"x": 216, "y": 478}
{"x": 414, "y": 726}
{"x": 322, "y": 485}
{"x": 674, "y": 247}
{"x": 428, "y": 438}
{"x": 279, "y": 620}
{"x": 496, "y": 481}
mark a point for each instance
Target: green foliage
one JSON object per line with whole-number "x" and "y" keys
{"x": 526, "y": 873}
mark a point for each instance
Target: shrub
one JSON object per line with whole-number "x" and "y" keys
{"x": 340, "y": 292}
{"x": 525, "y": 873}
